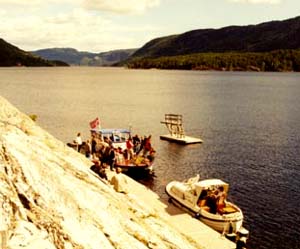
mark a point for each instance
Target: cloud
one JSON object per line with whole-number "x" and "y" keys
{"x": 37, "y": 3}
{"x": 121, "y": 6}
{"x": 20, "y": 2}
{"x": 69, "y": 23}
{"x": 79, "y": 28}
{"x": 257, "y": 1}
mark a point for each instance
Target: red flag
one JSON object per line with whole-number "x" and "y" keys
{"x": 94, "y": 124}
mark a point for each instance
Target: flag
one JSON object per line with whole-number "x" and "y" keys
{"x": 94, "y": 124}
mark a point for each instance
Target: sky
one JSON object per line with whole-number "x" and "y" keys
{"x": 104, "y": 25}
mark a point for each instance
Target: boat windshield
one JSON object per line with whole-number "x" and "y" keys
{"x": 115, "y": 135}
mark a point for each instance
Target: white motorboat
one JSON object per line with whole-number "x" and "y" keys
{"x": 196, "y": 197}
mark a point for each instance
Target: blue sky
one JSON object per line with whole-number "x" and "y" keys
{"x": 103, "y": 25}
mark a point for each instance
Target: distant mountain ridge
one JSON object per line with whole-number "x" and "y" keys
{"x": 75, "y": 57}
{"x": 262, "y": 37}
{"x": 11, "y": 55}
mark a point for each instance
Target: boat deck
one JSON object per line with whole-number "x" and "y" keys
{"x": 181, "y": 140}
{"x": 183, "y": 222}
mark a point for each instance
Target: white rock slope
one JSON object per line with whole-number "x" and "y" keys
{"x": 55, "y": 201}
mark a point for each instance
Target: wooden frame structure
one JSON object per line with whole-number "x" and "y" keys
{"x": 174, "y": 125}
{"x": 176, "y": 134}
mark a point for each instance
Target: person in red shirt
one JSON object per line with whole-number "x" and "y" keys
{"x": 129, "y": 147}
{"x": 147, "y": 146}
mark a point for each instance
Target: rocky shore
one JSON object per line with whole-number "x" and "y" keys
{"x": 51, "y": 199}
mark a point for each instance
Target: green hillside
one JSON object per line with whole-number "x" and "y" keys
{"x": 263, "y": 37}
{"x": 13, "y": 56}
{"x": 270, "y": 46}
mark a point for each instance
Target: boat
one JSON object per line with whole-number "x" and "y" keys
{"x": 193, "y": 196}
{"x": 119, "y": 138}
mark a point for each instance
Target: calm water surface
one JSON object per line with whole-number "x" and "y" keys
{"x": 250, "y": 124}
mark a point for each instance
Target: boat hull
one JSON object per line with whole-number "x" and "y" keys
{"x": 133, "y": 167}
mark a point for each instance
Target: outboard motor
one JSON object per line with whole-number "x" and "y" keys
{"x": 241, "y": 243}
{"x": 241, "y": 240}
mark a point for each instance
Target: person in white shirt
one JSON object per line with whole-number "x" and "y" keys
{"x": 119, "y": 181}
{"x": 78, "y": 141}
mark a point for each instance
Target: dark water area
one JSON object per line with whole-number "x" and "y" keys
{"x": 250, "y": 124}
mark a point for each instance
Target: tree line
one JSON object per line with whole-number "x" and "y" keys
{"x": 274, "y": 61}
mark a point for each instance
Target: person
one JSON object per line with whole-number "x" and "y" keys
{"x": 129, "y": 147}
{"x": 221, "y": 198}
{"x": 151, "y": 156}
{"x": 78, "y": 141}
{"x": 136, "y": 143}
{"x": 142, "y": 144}
{"x": 87, "y": 149}
{"x": 147, "y": 146}
{"x": 211, "y": 202}
{"x": 119, "y": 181}
{"x": 119, "y": 156}
{"x": 93, "y": 145}
{"x": 99, "y": 170}
{"x": 202, "y": 198}
{"x": 111, "y": 157}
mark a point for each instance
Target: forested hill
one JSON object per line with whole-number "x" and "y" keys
{"x": 263, "y": 37}
{"x": 74, "y": 57}
{"x": 12, "y": 56}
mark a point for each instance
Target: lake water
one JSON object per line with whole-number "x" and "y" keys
{"x": 250, "y": 124}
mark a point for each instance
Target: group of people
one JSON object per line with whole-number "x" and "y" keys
{"x": 103, "y": 154}
{"x": 96, "y": 149}
{"x": 102, "y": 148}
{"x": 141, "y": 145}
{"x": 139, "y": 150}
{"x": 136, "y": 151}
{"x": 214, "y": 201}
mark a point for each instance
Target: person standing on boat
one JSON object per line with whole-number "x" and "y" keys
{"x": 151, "y": 156}
{"x": 93, "y": 145}
{"x": 119, "y": 156}
{"x": 221, "y": 197}
{"x": 211, "y": 201}
{"x": 147, "y": 146}
{"x": 136, "y": 143}
{"x": 87, "y": 149}
{"x": 78, "y": 141}
{"x": 111, "y": 157}
{"x": 129, "y": 147}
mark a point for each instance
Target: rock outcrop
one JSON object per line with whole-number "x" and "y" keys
{"x": 51, "y": 199}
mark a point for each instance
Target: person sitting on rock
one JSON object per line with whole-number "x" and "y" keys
{"x": 119, "y": 181}
{"x": 99, "y": 170}
{"x": 78, "y": 141}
